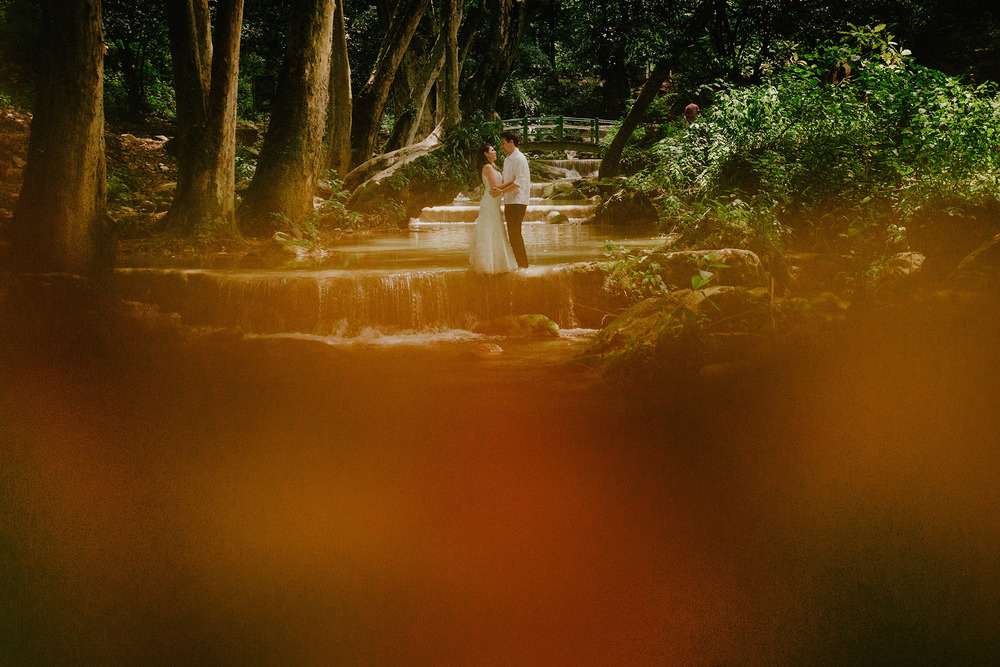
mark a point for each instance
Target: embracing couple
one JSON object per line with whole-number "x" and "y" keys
{"x": 494, "y": 249}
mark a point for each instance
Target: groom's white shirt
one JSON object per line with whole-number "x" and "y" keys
{"x": 516, "y": 166}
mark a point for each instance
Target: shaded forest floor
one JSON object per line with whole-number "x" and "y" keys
{"x": 140, "y": 171}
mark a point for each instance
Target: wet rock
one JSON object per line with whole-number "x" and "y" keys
{"x": 556, "y": 218}
{"x": 487, "y": 351}
{"x": 948, "y": 238}
{"x": 728, "y": 266}
{"x": 898, "y": 276}
{"x": 626, "y": 208}
{"x": 168, "y": 188}
{"x": 646, "y": 326}
{"x": 247, "y": 136}
{"x": 979, "y": 270}
{"x": 811, "y": 273}
{"x": 526, "y": 326}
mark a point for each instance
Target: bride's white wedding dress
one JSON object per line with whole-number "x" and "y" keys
{"x": 489, "y": 250}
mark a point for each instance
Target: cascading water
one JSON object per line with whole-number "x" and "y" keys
{"x": 575, "y": 168}
{"x": 348, "y": 302}
{"x": 415, "y": 282}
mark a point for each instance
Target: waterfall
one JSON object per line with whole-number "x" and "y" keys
{"x": 349, "y": 302}
{"x": 579, "y": 166}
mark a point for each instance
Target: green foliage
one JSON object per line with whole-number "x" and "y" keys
{"x": 632, "y": 273}
{"x": 446, "y": 169}
{"x": 856, "y": 159}
{"x": 333, "y": 212}
{"x": 703, "y": 276}
{"x": 122, "y": 182}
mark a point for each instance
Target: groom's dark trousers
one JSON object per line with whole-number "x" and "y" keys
{"x": 514, "y": 216}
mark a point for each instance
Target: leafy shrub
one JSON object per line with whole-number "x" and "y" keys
{"x": 855, "y": 159}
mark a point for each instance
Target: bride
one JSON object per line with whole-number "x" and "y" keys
{"x": 490, "y": 251}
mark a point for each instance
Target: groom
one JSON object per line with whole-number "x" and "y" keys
{"x": 516, "y": 190}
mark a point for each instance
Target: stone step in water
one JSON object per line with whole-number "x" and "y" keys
{"x": 535, "y": 213}
{"x": 348, "y": 303}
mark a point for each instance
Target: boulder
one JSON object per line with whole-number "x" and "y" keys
{"x": 526, "y": 326}
{"x": 897, "y": 276}
{"x": 648, "y": 326}
{"x": 168, "y": 188}
{"x": 979, "y": 270}
{"x": 729, "y": 266}
{"x": 626, "y": 208}
{"x": 812, "y": 272}
{"x": 556, "y": 218}
{"x": 487, "y": 351}
{"x": 947, "y": 238}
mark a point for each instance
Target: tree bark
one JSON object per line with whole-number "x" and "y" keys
{"x": 60, "y": 222}
{"x": 509, "y": 20}
{"x": 611, "y": 163}
{"x": 384, "y": 165}
{"x": 369, "y": 105}
{"x": 206, "y": 111}
{"x": 453, "y": 17}
{"x": 338, "y": 127}
{"x": 292, "y": 154}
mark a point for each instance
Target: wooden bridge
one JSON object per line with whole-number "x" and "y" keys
{"x": 560, "y": 133}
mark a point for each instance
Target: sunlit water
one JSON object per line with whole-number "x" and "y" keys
{"x": 434, "y": 246}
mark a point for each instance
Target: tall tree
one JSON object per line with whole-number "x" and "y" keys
{"x": 369, "y": 105}
{"x": 508, "y": 21}
{"x": 205, "y": 76}
{"x": 452, "y": 19}
{"x": 292, "y": 154}
{"x": 610, "y": 164}
{"x": 414, "y": 80}
{"x": 135, "y": 34}
{"x": 60, "y": 221}
{"x": 689, "y": 27}
{"x": 338, "y": 125}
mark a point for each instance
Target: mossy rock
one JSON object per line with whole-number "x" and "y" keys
{"x": 626, "y": 209}
{"x": 519, "y": 326}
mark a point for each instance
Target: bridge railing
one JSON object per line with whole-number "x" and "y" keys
{"x": 559, "y": 129}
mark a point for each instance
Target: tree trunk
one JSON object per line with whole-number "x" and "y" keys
{"x": 338, "y": 126}
{"x": 611, "y": 163}
{"x": 509, "y": 20}
{"x": 206, "y": 111}
{"x": 384, "y": 165}
{"x": 292, "y": 154}
{"x": 412, "y": 85}
{"x": 615, "y": 88}
{"x": 60, "y": 221}
{"x": 369, "y": 105}
{"x": 453, "y": 17}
